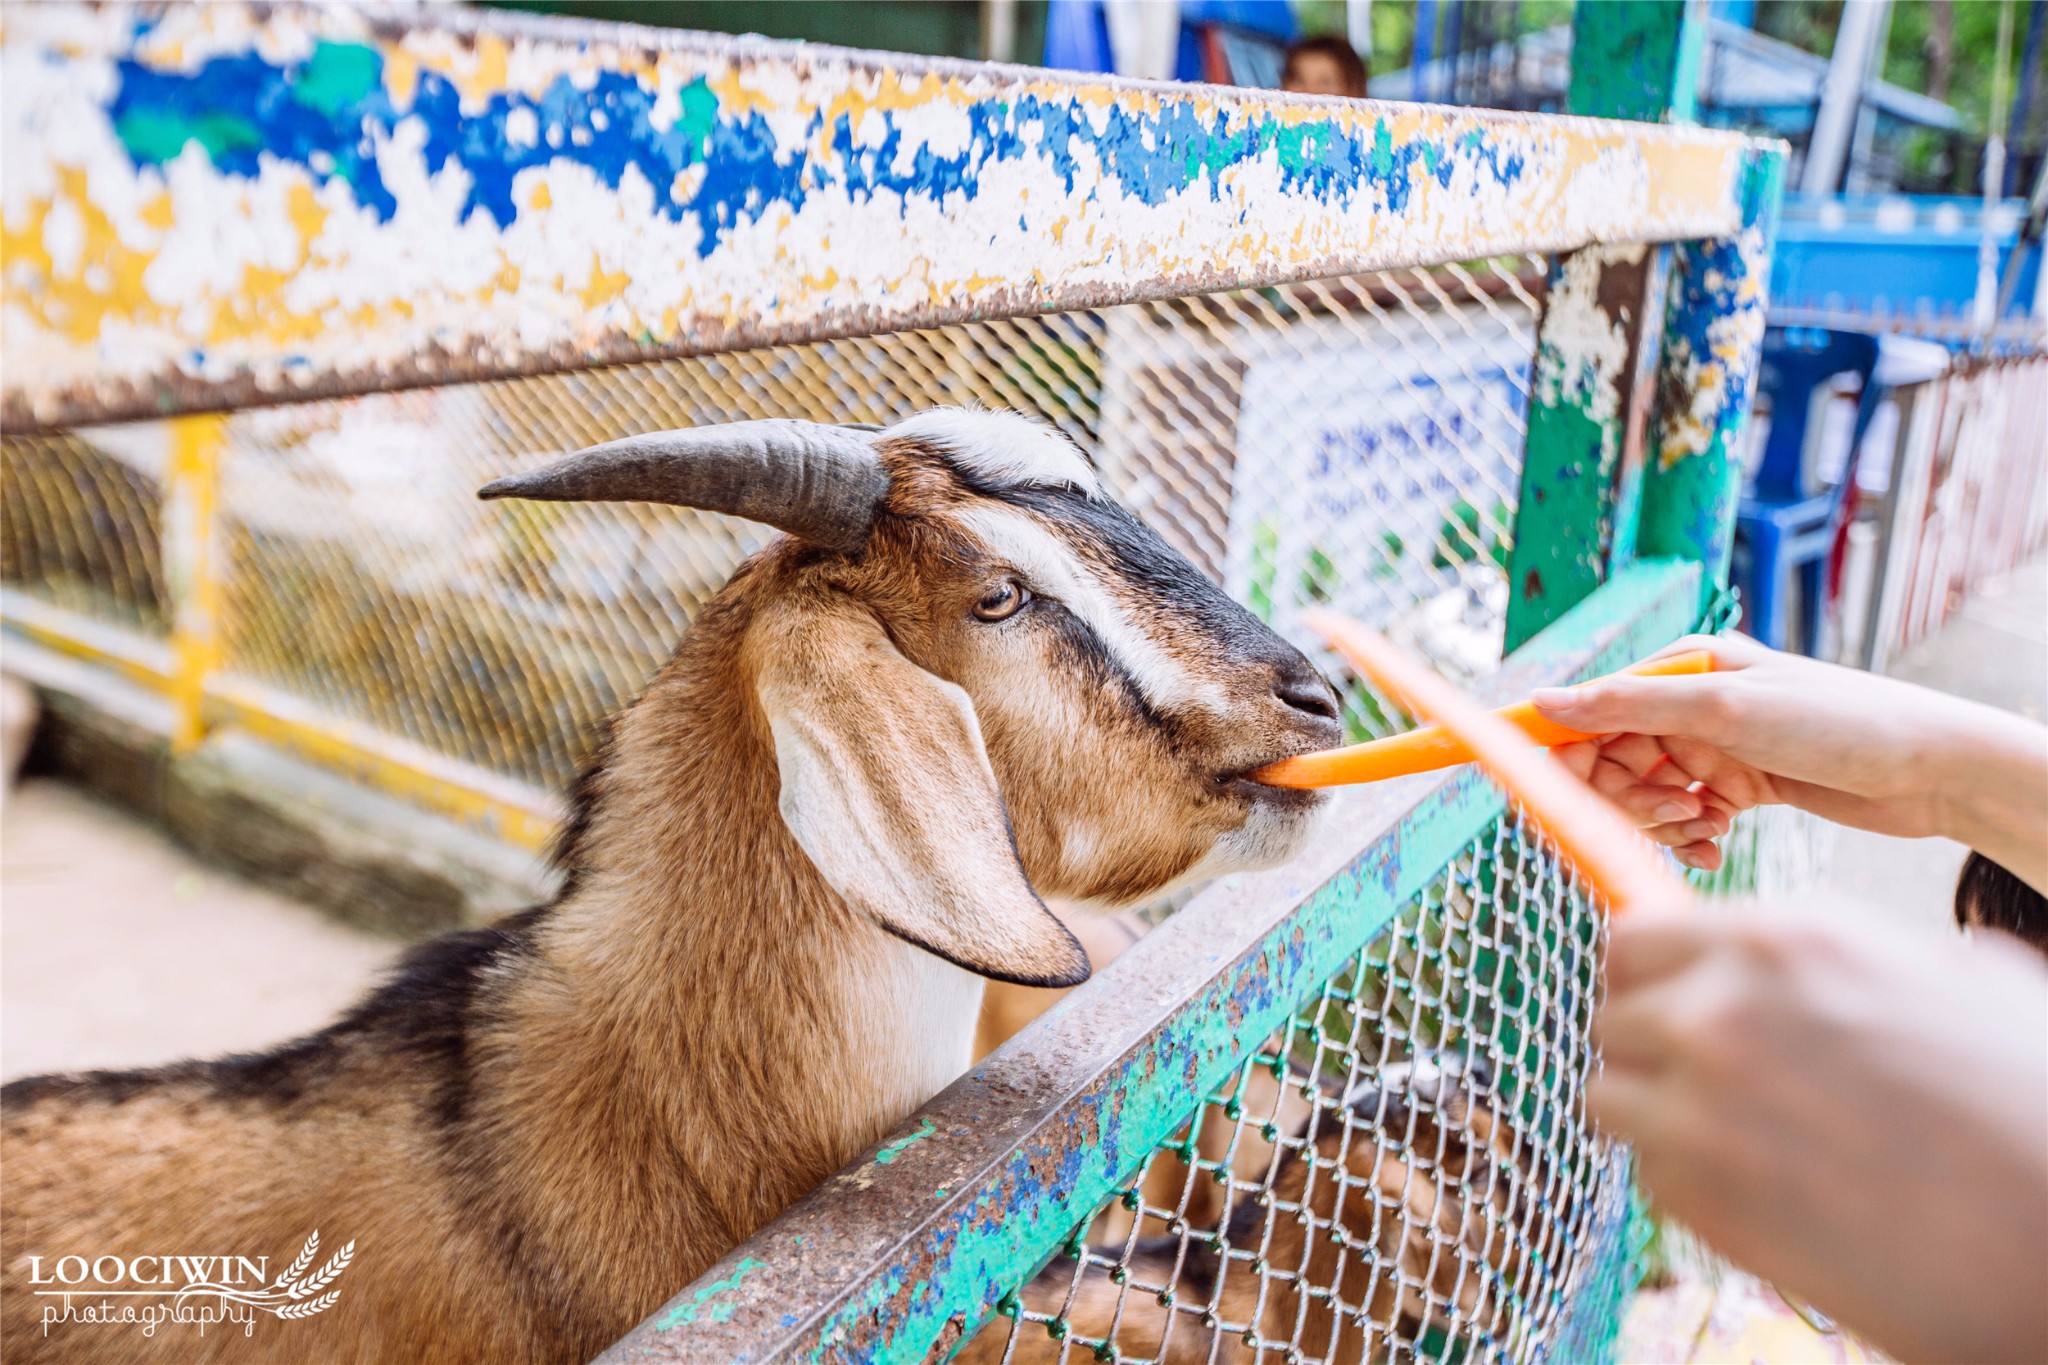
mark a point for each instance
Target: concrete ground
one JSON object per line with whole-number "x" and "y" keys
{"x": 118, "y": 948}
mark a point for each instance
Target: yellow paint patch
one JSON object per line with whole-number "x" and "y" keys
{"x": 603, "y": 286}
{"x": 257, "y": 312}
{"x": 401, "y": 76}
{"x": 106, "y": 282}
{"x": 192, "y": 485}
{"x": 735, "y": 97}
{"x": 486, "y": 75}
{"x": 307, "y": 215}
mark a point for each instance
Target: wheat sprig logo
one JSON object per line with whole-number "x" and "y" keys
{"x": 294, "y": 1294}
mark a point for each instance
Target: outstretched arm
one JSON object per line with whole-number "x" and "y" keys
{"x": 1684, "y": 755}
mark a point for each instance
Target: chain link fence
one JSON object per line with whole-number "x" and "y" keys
{"x": 1403, "y": 1170}
{"x": 1354, "y": 442}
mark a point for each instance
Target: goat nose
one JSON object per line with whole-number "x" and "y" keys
{"x": 1303, "y": 690}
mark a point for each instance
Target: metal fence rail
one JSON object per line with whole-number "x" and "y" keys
{"x": 1233, "y": 1128}
{"x": 1476, "y": 378}
{"x": 1967, "y": 499}
{"x": 424, "y": 202}
{"x": 1354, "y": 441}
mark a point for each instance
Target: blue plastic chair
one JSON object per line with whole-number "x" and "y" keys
{"x": 1785, "y": 528}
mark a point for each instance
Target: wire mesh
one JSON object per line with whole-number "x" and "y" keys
{"x": 1401, "y": 1172}
{"x": 1404, "y": 1170}
{"x": 1352, "y": 441}
{"x": 81, "y": 523}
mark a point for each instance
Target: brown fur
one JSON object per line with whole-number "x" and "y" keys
{"x": 1384, "y": 1232}
{"x": 537, "y": 1132}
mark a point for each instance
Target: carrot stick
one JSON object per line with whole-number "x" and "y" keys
{"x": 1431, "y": 747}
{"x": 1608, "y": 853}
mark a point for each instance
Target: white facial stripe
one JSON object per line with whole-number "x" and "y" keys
{"x": 1003, "y": 449}
{"x": 1051, "y": 568}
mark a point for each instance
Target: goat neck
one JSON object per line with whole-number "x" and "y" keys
{"x": 719, "y": 1016}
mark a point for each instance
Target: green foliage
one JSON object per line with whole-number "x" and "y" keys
{"x": 1464, "y": 537}
{"x": 1319, "y": 575}
{"x": 1320, "y": 18}
{"x": 1393, "y": 24}
{"x": 1812, "y": 24}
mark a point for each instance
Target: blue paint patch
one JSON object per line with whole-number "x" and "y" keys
{"x": 331, "y": 113}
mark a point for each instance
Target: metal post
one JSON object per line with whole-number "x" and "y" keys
{"x": 1706, "y": 383}
{"x": 1841, "y": 98}
{"x": 1589, "y": 390}
{"x": 191, "y": 568}
{"x": 999, "y": 30}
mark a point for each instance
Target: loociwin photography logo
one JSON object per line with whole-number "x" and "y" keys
{"x": 149, "y": 1292}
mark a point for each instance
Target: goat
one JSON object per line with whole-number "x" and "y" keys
{"x": 1401, "y": 1216}
{"x": 964, "y": 678}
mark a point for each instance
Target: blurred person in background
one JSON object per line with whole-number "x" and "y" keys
{"x": 1323, "y": 66}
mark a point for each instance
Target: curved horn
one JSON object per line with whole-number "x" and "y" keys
{"x": 820, "y": 483}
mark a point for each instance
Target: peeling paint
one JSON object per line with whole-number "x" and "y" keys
{"x": 895, "y": 1149}
{"x": 1706, "y": 384}
{"x": 227, "y": 203}
{"x": 1584, "y": 347}
{"x": 703, "y": 1304}
{"x": 1593, "y": 333}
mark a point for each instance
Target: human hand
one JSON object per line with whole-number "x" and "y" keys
{"x": 1856, "y": 1114}
{"x": 1682, "y": 756}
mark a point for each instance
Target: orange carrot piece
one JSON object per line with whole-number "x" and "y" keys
{"x": 1608, "y": 853}
{"x": 1430, "y": 747}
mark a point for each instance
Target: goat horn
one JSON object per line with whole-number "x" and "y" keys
{"x": 819, "y": 483}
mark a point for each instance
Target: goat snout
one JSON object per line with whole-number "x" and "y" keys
{"x": 1300, "y": 686}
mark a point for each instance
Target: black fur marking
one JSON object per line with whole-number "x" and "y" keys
{"x": 428, "y": 1007}
{"x": 1090, "y": 657}
{"x": 1152, "y": 567}
{"x": 572, "y": 841}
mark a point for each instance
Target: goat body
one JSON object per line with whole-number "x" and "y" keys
{"x": 801, "y": 852}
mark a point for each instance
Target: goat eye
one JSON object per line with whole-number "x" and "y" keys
{"x": 1003, "y": 601}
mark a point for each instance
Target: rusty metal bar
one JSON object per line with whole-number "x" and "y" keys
{"x": 909, "y": 1250}
{"x": 229, "y": 204}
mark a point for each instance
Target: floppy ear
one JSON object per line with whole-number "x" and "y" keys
{"x": 887, "y": 788}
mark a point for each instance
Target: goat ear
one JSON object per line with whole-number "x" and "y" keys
{"x": 887, "y": 788}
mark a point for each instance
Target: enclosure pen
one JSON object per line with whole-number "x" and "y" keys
{"x": 285, "y": 285}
